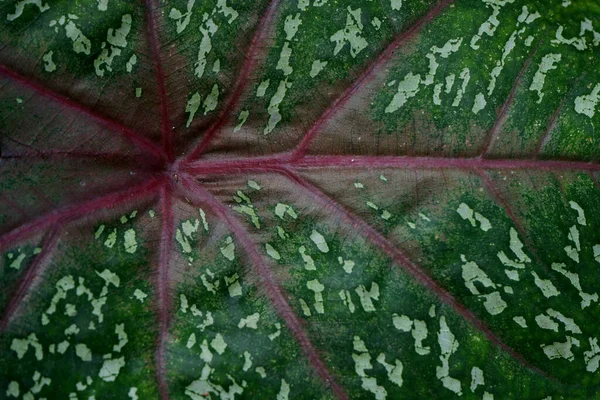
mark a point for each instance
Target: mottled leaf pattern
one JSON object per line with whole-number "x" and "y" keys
{"x": 303, "y": 199}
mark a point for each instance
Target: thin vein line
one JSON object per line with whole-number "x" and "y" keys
{"x": 35, "y": 270}
{"x": 367, "y": 75}
{"x": 162, "y": 284}
{"x": 78, "y": 210}
{"x": 247, "y": 68}
{"x": 503, "y": 115}
{"x": 139, "y": 141}
{"x": 268, "y": 281}
{"x": 152, "y": 29}
{"x": 413, "y": 269}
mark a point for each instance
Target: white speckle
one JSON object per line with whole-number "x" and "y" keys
{"x": 20, "y": 6}
{"x": 133, "y": 393}
{"x": 13, "y": 389}
{"x": 592, "y": 357}
{"x": 520, "y": 321}
{"x": 122, "y": 336}
{"x": 273, "y": 109}
{"x": 396, "y": 4}
{"x": 309, "y": 263}
{"x": 262, "y": 88}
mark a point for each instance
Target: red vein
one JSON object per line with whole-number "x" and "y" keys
{"x": 402, "y": 259}
{"x": 519, "y": 227}
{"x": 167, "y": 138}
{"x": 247, "y": 68}
{"x": 367, "y": 74}
{"x": 545, "y": 138}
{"x": 75, "y": 211}
{"x": 139, "y": 141}
{"x": 269, "y": 283}
{"x": 35, "y": 270}
{"x": 503, "y": 115}
{"x": 166, "y": 240}
{"x": 369, "y": 162}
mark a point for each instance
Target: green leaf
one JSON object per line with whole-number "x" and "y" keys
{"x": 305, "y": 199}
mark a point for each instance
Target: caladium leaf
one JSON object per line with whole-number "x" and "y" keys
{"x": 300, "y": 199}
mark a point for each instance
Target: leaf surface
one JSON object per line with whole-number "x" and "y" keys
{"x": 299, "y": 199}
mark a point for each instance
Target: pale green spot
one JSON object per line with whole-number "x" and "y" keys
{"x": 132, "y": 61}
{"x": 586, "y": 104}
{"x": 580, "y": 212}
{"x": 305, "y": 308}
{"x": 132, "y": 394}
{"x": 592, "y": 357}
{"x": 111, "y": 239}
{"x": 546, "y": 65}
{"x": 191, "y": 341}
{"x": 182, "y": 19}
{"x": 139, "y": 295}
{"x": 242, "y": 120}
{"x": 211, "y": 101}
{"x": 316, "y": 286}
{"x": 350, "y": 34}
{"x": 561, "y": 349}
{"x": 407, "y": 88}
{"x": 130, "y": 242}
{"x": 262, "y": 88}
{"x": 319, "y": 241}
{"x": 291, "y": 25}
{"x": 273, "y": 109}
{"x": 396, "y": 4}
{"x": 81, "y": 44}
{"x": 261, "y": 371}
{"x": 250, "y": 321}
{"x": 386, "y": 215}
{"x": 228, "y": 250}
{"x": 247, "y": 361}
{"x": 109, "y": 277}
{"x": 99, "y": 232}
{"x": 122, "y": 336}
{"x": 367, "y": 296}
{"x": 477, "y": 378}
{"x": 138, "y": 94}
{"x": 376, "y": 22}
{"x": 309, "y": 263}
{"x": 192, "y": 107}
{"x": 284, "y": 391}
{"x": 13, "y": 389}
{"x": 520, "y": 321}
{"x": 83, "y": 352}
{"x": 394, "y": 371}
{"x": 20, "y": 6}
{"x": 16, "y": 263}
{"x": 274, "y": 254}
{"x": 546, "y": 286}
{"x": 218, "y": 343}
{"x": 316, "y": 67}
{"x": 118, "y": 37}
{"x": 111, "y": 368}
{"x": 49, "y": 65}
{"x": 479, "y": 103}
{"x": 448, "y": 346}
